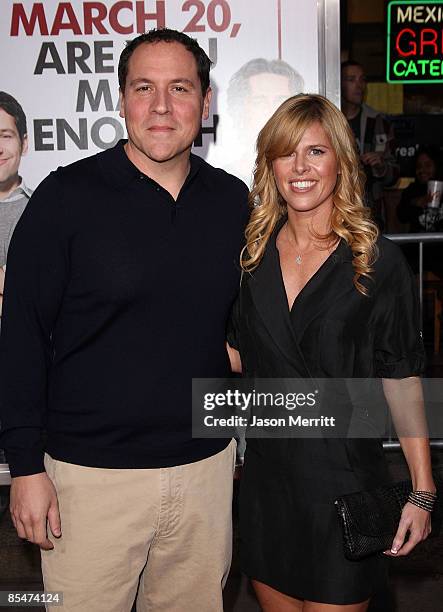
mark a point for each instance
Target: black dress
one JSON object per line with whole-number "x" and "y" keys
{"x": 289, "y": 529}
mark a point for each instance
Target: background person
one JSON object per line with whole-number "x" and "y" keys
{"x": 121, "y": 274}
{"x": 413, "y": 209}
{"x": 14, "y": 194}
{"x": 415, "y": 198}
{"x": 373, "y": 134}
{"x": 323, "y": 297}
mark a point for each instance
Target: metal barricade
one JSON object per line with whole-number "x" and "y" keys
{"x": 419, "y": 239}
{"x": 5, "y": 478}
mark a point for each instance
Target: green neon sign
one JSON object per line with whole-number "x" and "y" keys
{"x": 414, "y": 49}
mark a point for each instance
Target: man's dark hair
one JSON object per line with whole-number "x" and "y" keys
{"x": 239, "y": 86}
{"x": 13, "y": 108}
{"x": 350, "y": 63}
{"x": 166, "y": 35}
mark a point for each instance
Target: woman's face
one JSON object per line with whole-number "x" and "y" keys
{"x": 424, "y": 168}
{"x": 306, "y": 178}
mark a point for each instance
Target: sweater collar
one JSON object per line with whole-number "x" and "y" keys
{"x": 120, "y": 171}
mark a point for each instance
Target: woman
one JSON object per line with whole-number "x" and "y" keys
{"x": 415, "y": 198}
{"x": 413, "y": 209}
{"x": 322, "y": 296}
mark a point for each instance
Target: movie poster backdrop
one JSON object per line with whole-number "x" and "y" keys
{"x": 59, "y": 60}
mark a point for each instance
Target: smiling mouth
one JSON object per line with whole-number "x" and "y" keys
{"x": 302, "y": 185}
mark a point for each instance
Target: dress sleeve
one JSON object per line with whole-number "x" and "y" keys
{"x": 399, "y": 350}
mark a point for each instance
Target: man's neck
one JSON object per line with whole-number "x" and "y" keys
{"x": 350, "y": 110}
{"x": 7, "y": 187}
{"x": 170, "y": 174}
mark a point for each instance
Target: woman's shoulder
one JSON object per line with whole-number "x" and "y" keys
{"x": 388, "y": 248}
{"x": 391, "y": 264}
{"x": 390, "y": 254}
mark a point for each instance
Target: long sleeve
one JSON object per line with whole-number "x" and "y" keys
{"x": 399, "y": 350}
{"x": 36, "y": 277}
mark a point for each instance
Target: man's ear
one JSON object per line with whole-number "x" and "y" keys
{"x": 121, "y": 98}
{"x": 25, "y": 144}
{"x": 206, "y": 103}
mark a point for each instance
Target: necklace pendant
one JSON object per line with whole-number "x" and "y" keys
{"x": 298, "y": 260}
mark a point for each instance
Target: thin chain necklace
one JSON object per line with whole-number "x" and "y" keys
{"x": 299, "y": 257}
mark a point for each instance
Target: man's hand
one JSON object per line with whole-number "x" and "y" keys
{"x": 234, "y": 359}
{"x": 422, "y": 201}
{"x": 33, "y": 502}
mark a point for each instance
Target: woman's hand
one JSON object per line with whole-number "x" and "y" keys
{"x": 234, "y": 358}
{"x": 418, "y": 523}
{"x": 405, "y": 400}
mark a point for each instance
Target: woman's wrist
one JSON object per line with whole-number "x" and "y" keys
{"x": 424, "y": 484}
{"x": 423, "y": 499}
{"x": 421, "y": 475}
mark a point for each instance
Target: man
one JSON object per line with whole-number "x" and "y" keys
{"x": 255, "y": 91}
{"x": 123, "y": 270}
{"x": 373, "y": 134}
{"x": 14, "y": 194}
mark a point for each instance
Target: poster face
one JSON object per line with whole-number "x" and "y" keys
{"x": 60, "y": 59}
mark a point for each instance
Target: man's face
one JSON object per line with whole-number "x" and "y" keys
{"x": 353, "y": 84}
{"x": 266, "y": 93}
{"x": 11, "y": 149}
{"x": 162, "y": 103}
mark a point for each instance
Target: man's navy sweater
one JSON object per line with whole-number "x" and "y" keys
{"x": 116, "y": 297}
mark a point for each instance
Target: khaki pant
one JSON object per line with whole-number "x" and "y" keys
{"x": 170, "y": 527}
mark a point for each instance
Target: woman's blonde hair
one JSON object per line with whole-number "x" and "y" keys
{"x": 350, "y": 218}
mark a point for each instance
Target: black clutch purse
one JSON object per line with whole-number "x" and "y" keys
{"x": 369, "y": 519}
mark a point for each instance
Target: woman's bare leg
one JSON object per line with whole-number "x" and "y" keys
{"x": 312, "y": 606}
{"x": 271, "y": 600}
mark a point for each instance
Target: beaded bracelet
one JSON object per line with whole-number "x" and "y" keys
{"x": 423, "y": 499}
